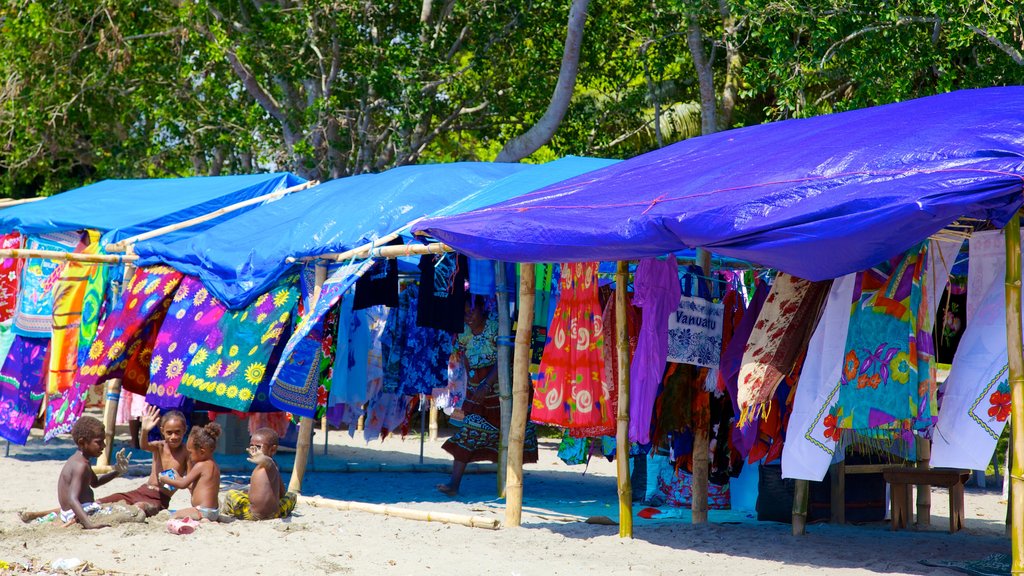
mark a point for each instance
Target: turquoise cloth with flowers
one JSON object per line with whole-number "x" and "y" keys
{"x": 887, "y": 385}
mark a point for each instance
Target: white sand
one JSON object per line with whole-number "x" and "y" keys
{"x": 320, "y": 541}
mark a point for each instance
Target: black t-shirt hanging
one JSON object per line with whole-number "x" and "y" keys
{"x": 442, "y": 302}
{"x": 379, "y": 286}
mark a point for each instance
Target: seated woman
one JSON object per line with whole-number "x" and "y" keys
{"x": 477, "y": 439}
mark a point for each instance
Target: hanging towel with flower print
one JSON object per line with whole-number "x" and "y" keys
{"x": 232, "y": 360}
{"x": 887, "y": 384}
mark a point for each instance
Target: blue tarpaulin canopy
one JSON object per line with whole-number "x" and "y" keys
{"x": 124, "y": 208}
{"x": 240, "y": 258}
{"x": 817, "y": 197}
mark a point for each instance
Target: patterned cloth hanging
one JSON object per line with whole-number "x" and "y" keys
{"x": 193, "y": 313}
{"x": 295, "y": 386}
{"x": 93, "y": 309}
{"x": 21, "y": 387}
{"x": 657, "y": 292}
{"x": 887, "y": 385}
{"x": 415, "y": 357}
{"x": 569, "y": 388}
{"x": 10, "y": 271}
{"x": 682, "y": 403}
{"x": 68, "y": 298}
{"x": 144, "y": 302}
{"x": 228, "y": 367}
{"x": 780, "y": 336}
{"x": 610, "y": 392}
{"x": 33, "y": 315}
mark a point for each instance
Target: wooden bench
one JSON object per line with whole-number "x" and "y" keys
{"x": 902, "y": 480}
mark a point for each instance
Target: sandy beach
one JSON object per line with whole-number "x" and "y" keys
{"x": 552, "y": 540}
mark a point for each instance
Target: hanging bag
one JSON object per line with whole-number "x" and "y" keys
{"x": 695, "y": 328}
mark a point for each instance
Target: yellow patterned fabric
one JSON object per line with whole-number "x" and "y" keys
{"x": 236, "y": 504}
{"x": 68, "y": 298}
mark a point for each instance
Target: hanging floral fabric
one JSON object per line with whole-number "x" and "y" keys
{"x": 10, "y": 270}
{"x": 682, "y": 402}
{"x": 146, "y": 299}
{"x": 93, "y": 308}
{"x": 780, "y": 335}
{"x": 33, "y": 314}
{"x": 734, "y": 310}
{"x": 21, "y": 387}
{"x": 656, "y": 292}
{"x": 569, "y": 387}
{"x": 193, "y": 313}
{"x": 732, "y": 362}
{"x": 295, "y": 386}
{"x": 887, "y": 385}
{"x": 610, "y": 392}
{"x": 231, "y": 362}
{"x": 328, "y": 351}
{"x": 68, "y": 299}
{"x": 415, "y": 358}
{"x": 63, "y": 410}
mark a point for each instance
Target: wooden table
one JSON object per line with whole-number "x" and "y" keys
{"x": 902, "y": 480}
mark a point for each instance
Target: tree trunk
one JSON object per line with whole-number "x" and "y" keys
{"x": 525, "y": 144}
{"x": 705, "y": 75}
{"x": 733, "y": 65}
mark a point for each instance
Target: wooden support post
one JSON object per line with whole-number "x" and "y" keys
{"x": 504, "y": 372}
{"x": 433, "y": 421}
{"x": 924, "y": 492}
{"x": 701, "y": 439}
{"x": 801, "y": 495}
{"x": 306, "y": 423}
{"x": 622, "y": 418}
{"x": 324, "y": 430}
{"x": 520, "y": 396}
{"x": 837, "y": 476}
{"x": 1015, "y": 350}
{"x": 114, "y": 385}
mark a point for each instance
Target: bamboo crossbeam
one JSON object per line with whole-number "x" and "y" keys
{"x": 520, "y": 396}
{"x": 123, "y": 244}
{"x": 622, "y": 416}
{"x": 1014, "y": 343}
{"x": 9, "y": 202}
{"x": 407, "y": 513}
{"x": 410, "y": 250}
{"x": 306, "y": 423}
{"x": 68, "y": 256}
{"x": 364, "y": 250}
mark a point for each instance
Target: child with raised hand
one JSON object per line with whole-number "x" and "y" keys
{"x": 76, "y": 481}
{"x": 170, "y": 457}
{"x": 203, "y": 477}
{"x": 266, "y": 498}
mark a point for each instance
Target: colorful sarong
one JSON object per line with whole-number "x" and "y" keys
{"x": 657, "y": 292}
{"x": 295, "y": 385}
{"x": 33, "y": 315}
{"x": 10, "y": 271}
{"x": 21, "y": 387}
{"x": 93, "y": 308}
{"x": 68, "y": 299}
{"x": 569, "y": 389}
{"x": 228, "y": 367}
{"x": 125, "y": 332}
{"x": 887, "y": 385}
{"x": 780, "y": 336}
{"x": 192, "y": 315}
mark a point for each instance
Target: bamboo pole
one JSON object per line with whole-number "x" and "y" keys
{"x": 520, "y": 396}
{"x": 622, "y": 416}
{"x": 701, "y": 440}
{"x": 801, "y": 495}
{"x": 9, "y": 202}
{"x": 124, "y": 244}
{"x": 364, "y": 250}
{"x": 407, "y": 513}
{"x": 407, "y": 250}
{"x": 433, "y": 421}
{"x": 504, "y": 375}
{"x": 1015, "y": 350}
{"x": 306, "y": 423}
{"x": 924, "y": 491}
{"x": 67, "y": 256}
{"x": 113, "y": 385}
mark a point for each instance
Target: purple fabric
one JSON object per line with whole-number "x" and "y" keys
{"x": 656, "y": 292}
{"x": 21, "y": 387}
{"x": 817, "y": 197}
{"x": 732, "y": 360}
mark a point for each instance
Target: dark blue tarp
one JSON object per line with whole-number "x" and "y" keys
{"x": 124, "y": 208}
{"x": 817, "y": 197}
{"x": 240, "y": 258}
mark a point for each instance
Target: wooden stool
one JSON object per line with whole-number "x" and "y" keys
{"x": 902, "y": 480}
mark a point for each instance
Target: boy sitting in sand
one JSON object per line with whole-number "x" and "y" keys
{"x": 170, "y": 457}
{"x": 76, "y": 481}
{"x": 203, "y": 478}
{"x": 266, "y": 498}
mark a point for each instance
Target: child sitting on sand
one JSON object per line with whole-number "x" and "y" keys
{"x": 76, "y": 481}
{"x": 170, "y": 457}
{"x": 203, "y": 478}
{"x": 266, "y": 498}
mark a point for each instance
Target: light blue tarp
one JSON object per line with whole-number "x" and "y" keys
{"x": 818, "y": 197}
{"x": 240, "y": 258}
{"x": 124, "y": 208}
